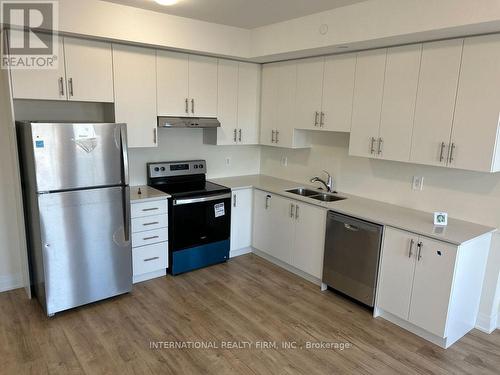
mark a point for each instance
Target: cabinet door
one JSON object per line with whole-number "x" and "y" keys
{"x": 432, "y": 285}
{"x": 338, "y": 90}
{"x": 89, "y": 70}
{"x": 249, "y": 102}
{"x": 48, "y": 84}
{"x": 241, "y": 219}
{"x": 172, "y": 83}
{"x": 309, "y": 93}
{"x": 475, "y": 128}
{"x": 285, "y": 102}
{"x": 262, "y": 221}
{"x": 269, "y": 98}
{"x": 397, "y": 266}
{"x": 398, "y": 108}
{"x": 309, "y": 245}
{"x": 435, "y": 105}
{"x": 135, "y": 93}
{"x": 282, "y": 228}
{"x": 227, "y": 102}
{"x": 203, "y": 86}
{"x": 367, "y": 105}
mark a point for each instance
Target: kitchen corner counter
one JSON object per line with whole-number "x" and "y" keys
{"x": 147, "y": 194}
{"x": 458, "y": 232}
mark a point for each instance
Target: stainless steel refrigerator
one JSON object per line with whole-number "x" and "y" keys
{"x": 77, "y": 211}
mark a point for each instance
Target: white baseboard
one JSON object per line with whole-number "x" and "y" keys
{"x": 237, "y": 253}
{"x": 10, "y": 282}
{"x": 149, "y": 276}
{"x": 487, "y": 323}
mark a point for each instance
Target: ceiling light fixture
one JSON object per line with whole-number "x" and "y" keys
{"x": 166, "y": 2}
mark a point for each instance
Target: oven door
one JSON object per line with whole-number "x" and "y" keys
{"x": 198, "y": 221}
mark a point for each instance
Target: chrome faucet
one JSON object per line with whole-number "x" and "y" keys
{"x": 328, "y": 184}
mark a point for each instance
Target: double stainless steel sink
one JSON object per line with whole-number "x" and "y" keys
{"x": 314, "y": 194}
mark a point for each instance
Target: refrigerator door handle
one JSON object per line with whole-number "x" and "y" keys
{"x": 124, "y": 149}
{"x": 126, "y": 213}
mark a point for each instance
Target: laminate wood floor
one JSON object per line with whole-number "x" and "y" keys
{"x": 245, "y": 300}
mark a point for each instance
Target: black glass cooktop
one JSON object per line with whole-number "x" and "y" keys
{"x": 189, "y": 188}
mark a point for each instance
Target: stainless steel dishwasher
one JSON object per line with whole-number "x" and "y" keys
{"x": 352, "y": 252}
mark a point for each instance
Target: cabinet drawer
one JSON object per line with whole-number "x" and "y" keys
{"x": 149, "y": 208}
{"x": 150, "y": 258}
{"x": 142, "y": 224}
{"x": 149, "y": 237}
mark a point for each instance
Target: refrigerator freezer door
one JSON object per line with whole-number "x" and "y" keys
{"x": 74, "y": 156}
{"x": 86, "y": 247}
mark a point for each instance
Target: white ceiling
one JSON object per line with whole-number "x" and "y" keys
{"x": 241, "y": 13}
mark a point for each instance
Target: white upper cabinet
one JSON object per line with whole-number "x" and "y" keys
{"x": 338, "y": 90}
{"x": 249, "y": 77}
{"x": 135, "y": 93}
{"x": 203, "y": 86}
{"x": 84, "y": 73}
{"x": 309, "y": 93}
{"x": 47, "y": 84}
{"x": 398, "y": 104}
{"x": 227, "y": 103}
{"x": 89, "y": 70}
{"x": 367, "y": 104}
{"x": 437, "y": 89}
{"x": 268, "y": 114}
{"x": 187, "y": 85}
{"x": 475, "y": 135}
{"x": 238, "y": 104}
{"x": 172, "y": 83}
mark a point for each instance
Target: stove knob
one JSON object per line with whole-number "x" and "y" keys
{"x": 157, "y": 169}
{"x": 196, "y": 166}
{"x": 163, "y": 169}
{"x": 201, "y": 165}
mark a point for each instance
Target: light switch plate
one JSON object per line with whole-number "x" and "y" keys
{"x": 418, "y": 183}
{"x": 228, "y": 161}
{"x": 284, "y": 161}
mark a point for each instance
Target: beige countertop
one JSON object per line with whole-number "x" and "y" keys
{"x": 457, "y": 232}
{"x": 147, "y": 194}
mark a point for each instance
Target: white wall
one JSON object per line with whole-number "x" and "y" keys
{"x": 185, "y": 144}
{"x": 470, "y": 196}
{"x": 12, "y": 250}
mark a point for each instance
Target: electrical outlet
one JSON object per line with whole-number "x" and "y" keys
{"x": 228, "y": 161}
{"x": 418, "y": 183}
{"x": 284, "y": 161}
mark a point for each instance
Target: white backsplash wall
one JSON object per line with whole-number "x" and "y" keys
{"x": 187, "y": 144}
{"x": 471, "y": 196}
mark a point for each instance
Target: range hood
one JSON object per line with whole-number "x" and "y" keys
{"x": 187, "y": 122}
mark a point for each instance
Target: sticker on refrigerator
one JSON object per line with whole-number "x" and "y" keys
{"x": 85, "y": 137}
{"x": 39, "y": 144}
{"x": 219, "y": 209}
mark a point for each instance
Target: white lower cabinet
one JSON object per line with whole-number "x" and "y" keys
{"x": 241, "y": 221}
{"x": 430, "y": 287}
{"x": 149, "y": 239}
{"x": 290, "y": 231}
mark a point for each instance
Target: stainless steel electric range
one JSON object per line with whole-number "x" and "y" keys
{"x": 199, "y": 214}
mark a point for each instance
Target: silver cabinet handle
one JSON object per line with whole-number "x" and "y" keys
{"x": 380, "y": 143}
{"x": 452, "y": 149}
{"x": 292, "y": 207}
{"x": 277, "y": 135}
{"x": 150, "y": 238}
{"x": 192, "y": 105}
{"x": 61, "y": 86}
{"x": 187, "y": 105}
{"x": 322, "y": 119}
{"x": 441, "y": 153}
{"x": 410, "y": 250}
{"x": 372, "y": 145}
{"x": 150, "y": 209}
{"x": 316, "y": 115}
{"x": 150, "y": 259}
{"x": 239, "y": 135}
{"x": 296, "y": 212}
{"x": 234, "y": 135}
{"x": 234, "y": 200}
{"x": 419, "y": 255}
{"x": 268, "y": 197}
{"x": 272, "y": 136}
{"x": 152, "y": 223}
{"x": 70, "y": 83}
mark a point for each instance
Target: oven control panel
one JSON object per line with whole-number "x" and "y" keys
{"x": 176, "y": 168}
